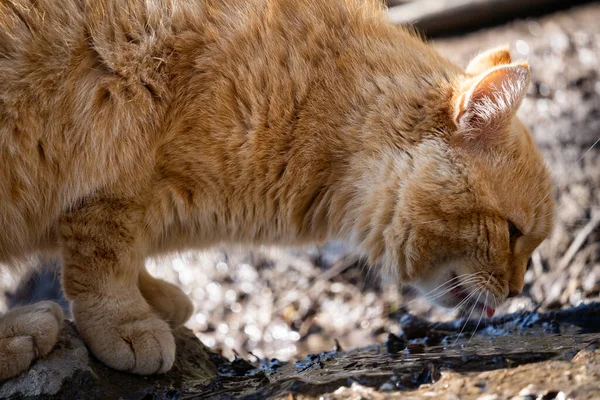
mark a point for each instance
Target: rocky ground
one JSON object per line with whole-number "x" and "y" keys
{"x": 527, "y": 355}
{"x": 286, "y": 303}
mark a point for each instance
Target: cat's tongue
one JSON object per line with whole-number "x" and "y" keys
{"x": 489, "y": 311}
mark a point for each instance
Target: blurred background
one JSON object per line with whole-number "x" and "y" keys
{"x": 285, "y": 303}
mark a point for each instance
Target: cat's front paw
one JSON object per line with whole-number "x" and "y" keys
{"x": 27, "y": 333}
{"x": 127, "y": 337}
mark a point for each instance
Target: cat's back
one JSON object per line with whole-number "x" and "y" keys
{"x": 36, "y": 38}
{"x": 80, "y": 97}
{"x": 89, "y": 87}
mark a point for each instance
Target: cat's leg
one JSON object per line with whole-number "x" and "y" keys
{"x": 27, "y": 333}
{"x": 166, "y": 299}
{"x": 103, "y": 250}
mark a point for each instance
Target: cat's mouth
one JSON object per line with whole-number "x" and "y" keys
{"x": 461, "y": 293}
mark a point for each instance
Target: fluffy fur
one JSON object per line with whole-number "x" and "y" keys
{"x": 130, "y": 128}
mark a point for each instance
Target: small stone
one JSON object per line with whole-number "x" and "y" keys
{"x": 530, "y": 390}
{"x": 481, "y": 384}
{"x": 488, "y": 397}
{"x": 387, "y": 387}
{"x": 338, "y": 346}
{"x": 414, "y": 327}
{"x": 416, "y": 348}
{"x": 394, "y": 344}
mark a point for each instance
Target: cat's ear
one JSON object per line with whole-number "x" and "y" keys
{"x": 489, "y": 59}
{"x": 487, "y": 103}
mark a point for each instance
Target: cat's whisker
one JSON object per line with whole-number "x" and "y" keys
{"x": 445, "y": 292}
{"x": 565, "y": 172}
{"x": 579, "y": 224}
{"x": 480, "y": 287}
{"x": 587, "y": 151}
{"x": 477, "y": 326}
{"x": 466, "y": 300}
{"x": 433, "y": 325}
{"x": 469, "y": 278}
{"x": 431, "y": 294}
{"x": 544, "y": 199}
{"x": 448, "y": 290}
{"x": 446, "y": 283}
{"x": 467, "y": 319}
{"x": 482, "y": 311}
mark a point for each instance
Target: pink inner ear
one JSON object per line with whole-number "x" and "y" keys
{"x": 492, "y": 100}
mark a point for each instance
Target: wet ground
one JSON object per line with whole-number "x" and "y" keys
{"x": 419, "y": 356}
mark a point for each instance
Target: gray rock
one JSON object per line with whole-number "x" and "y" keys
{"x": 70, "y": 371}
{"x": 46, "y": 376}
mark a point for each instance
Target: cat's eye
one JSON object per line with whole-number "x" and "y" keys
{"x": 513, "y": 232}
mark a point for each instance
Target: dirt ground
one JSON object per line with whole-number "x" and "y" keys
{"x": 285, "y": 303}
{"x": 525, "y": 382}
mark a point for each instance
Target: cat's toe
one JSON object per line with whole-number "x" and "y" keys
{"x": 16, "y": 355}
{"x": 141, "y": 343}
{"x": 27, "y": 333}
{"x": 150, "y": 345}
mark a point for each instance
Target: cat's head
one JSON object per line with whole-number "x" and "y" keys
{"x": 480, "y": 204}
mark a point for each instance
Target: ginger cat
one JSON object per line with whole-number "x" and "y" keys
{"x": 130, "y": 128}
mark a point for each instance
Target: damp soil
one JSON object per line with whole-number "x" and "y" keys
{"x": 417, "y": 355}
